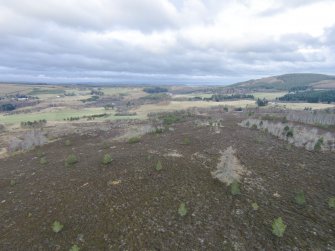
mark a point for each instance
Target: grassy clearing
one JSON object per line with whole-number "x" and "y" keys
{"x": 268, "y": 95}
{"x": 50, "y": 115}
{"x": 181, "y": 105}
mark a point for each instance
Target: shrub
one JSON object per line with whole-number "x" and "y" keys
{"x": 254, "y": 206}
{"x": 134, "y": 140}
{"x": 159, "y": 130}
{"x": 235, "y": 188}
{"x": 289, "y": 133}
{"x": 40, "y": 154}
{"x": 71, "y": 160}
{"x": 186, "y": 141}
{"x": 12, "y": 183}
{"x": 109, "y": 106}
{"x": 170, "y": 119}
{"x": 2, "y": 128}
{"x": 318, "y": 144}
{"x": 278, "y": 227}
{"x": 43, "y": 161}
{"x": 159, "y": 166}
{"x": 331, "y": 202}
{"x": 254, "y": 126}
{"x": 7, "y": 107}
{"x": 107, "y": 159}
{"x": 300, "y": 198}
{"x": 74, "y": 248}
{"x": 67, "y": 142}
{"x": 262, "y": 102}
{"x": 57, "y": 226}
{"x": 97, "y": 92}
{"x": 182, "y": 210}
{"x": 105, "y": 145}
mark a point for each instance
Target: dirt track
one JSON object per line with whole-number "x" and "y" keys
{"x": 139, "y": 210}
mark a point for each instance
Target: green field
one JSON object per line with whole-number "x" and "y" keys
{"x": 53, "y": 115}
{"x": 60, "y": 115}
{"x": 268, "y": 95}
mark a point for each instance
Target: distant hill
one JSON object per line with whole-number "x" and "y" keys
{"x": 290, "y": 81}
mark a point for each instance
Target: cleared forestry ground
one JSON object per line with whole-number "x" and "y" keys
{"x": 129, "y": 205}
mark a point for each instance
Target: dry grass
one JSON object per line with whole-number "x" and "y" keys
{"x": 135, "y": 131}
{"x": 29, "y": 140}
{"x": 302, "y": 106}
{"x": 312, "y": 117}
{"x": 11, "y": 88}
{"x": 229, "y": 168}
{"x": 127, "y": 92}
{"x": 301, "y": 136}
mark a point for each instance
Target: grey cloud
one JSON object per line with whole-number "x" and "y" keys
{"x": 56, "y": 41}
{"x": 95, "y": 15}
{"x": 287, "y": 5}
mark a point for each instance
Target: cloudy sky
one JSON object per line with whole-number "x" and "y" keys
{"x": 164, "y": 41}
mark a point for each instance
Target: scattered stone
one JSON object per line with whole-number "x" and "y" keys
{"x": 276, "y": 195}
{"x": 113, "y": 182}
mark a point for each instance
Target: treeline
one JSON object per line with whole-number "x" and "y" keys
{"x": 298, "y": 81}
{"x": 220, "y": 97}
{"x": 92, "y": 117}
{"x": 33, "y": 124}
{"x": 303, "y": 79}
{"x": 155, "y": 89}
{"x": 125, "y": 114}
{"x": 72, "y": 119}
{"x": 298, "y": 88}
{"x": 91, "y": 99}
{"x": 88, "y": 117}
{"x": 159, "y": 96}
{"x": 311, "y": 96}
{"x": 97, "y": 92}
{"x": 7, "y": 107}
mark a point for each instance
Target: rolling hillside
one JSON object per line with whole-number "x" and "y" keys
{"x": 289, "y": 81}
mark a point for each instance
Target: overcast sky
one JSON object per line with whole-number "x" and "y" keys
{"x": 164, "y": 41}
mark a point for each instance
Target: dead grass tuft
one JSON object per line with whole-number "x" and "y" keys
{"x": 229, "y": 168}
